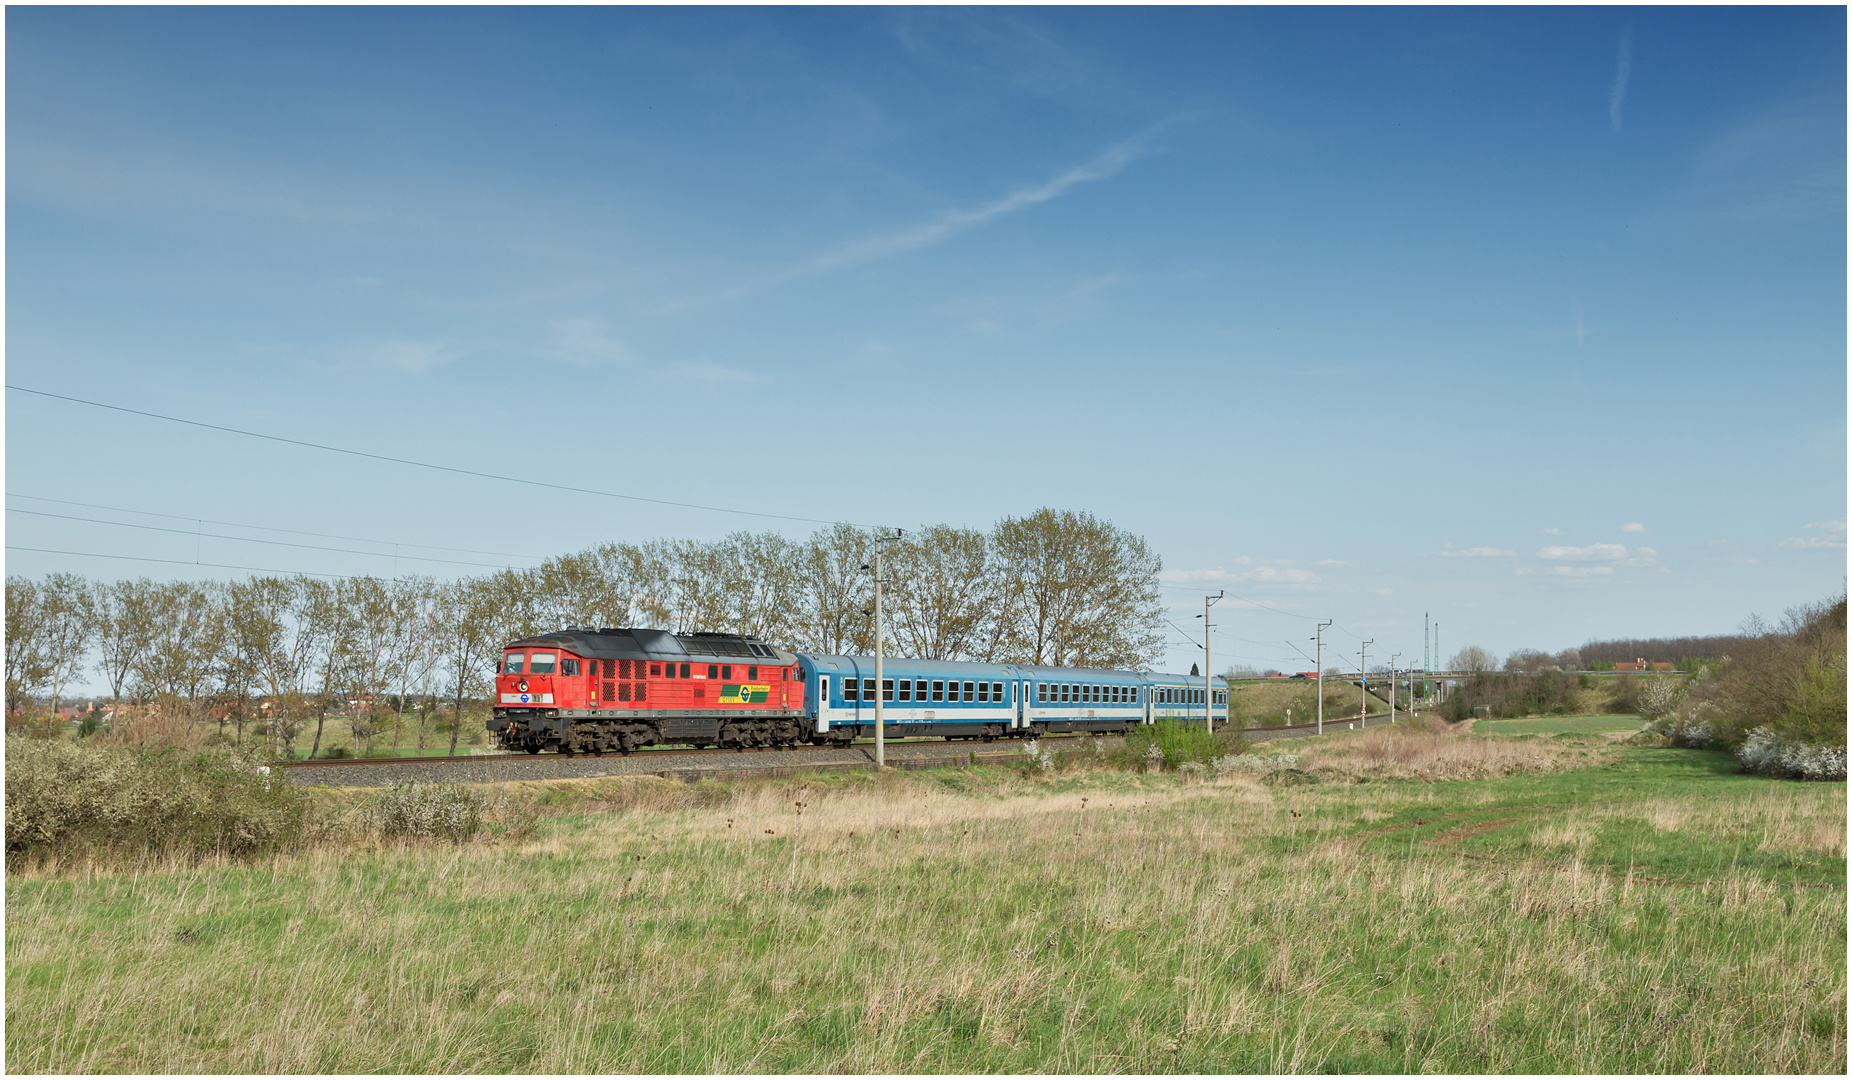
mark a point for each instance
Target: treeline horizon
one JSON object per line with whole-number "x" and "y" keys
{"x": 1062, "y": 588}
{"x": 1664, "y": 650}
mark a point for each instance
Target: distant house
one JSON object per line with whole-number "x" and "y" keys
{"x": 1640, "y": 664}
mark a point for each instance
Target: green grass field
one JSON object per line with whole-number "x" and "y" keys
{"x": 1552, "y": 725}
{"x": 1641, "y": 911}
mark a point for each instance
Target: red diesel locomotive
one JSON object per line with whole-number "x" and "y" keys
{"x": 589, "y": 691}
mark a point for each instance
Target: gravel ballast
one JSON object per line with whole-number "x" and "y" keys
{"x": 713, "y": 764}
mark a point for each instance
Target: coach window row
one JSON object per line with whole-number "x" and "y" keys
{"x": 1192, "y": 696}
{"x": 926, "y": 690}
{"x": 1089, "y": 693}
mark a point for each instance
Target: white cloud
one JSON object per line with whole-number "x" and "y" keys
{"x": 585, "y": 342}
{"x": 1647, "y": 552}
{"x": 415, "y": 357}
{"x": 1581, "y": 571}
{"x": 1633, "y": 527}
{"x": 1591, "y": 553}
{"x": 703, "y": 371}
{"x": 1269, "y": 575}
{"x": 1478, "y": 552}
{"x": 1551, "y": 531}
{"x": 1831, "y": 535}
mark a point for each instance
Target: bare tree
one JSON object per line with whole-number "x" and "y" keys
{"x": 67, "y": 622}
{"x": 470, "y": 631}
{"x": 1474, "y": 659}
{"x": 1527, "y": 661}
{"x": 125, "y": 622}
{"x": 323, "y": 609}
{"x": 26, "y": 669}
{"x": 267, "y": 623}
{"x": 1084, "y": 593}
{"x": 945, "y": 594}
{"x": 833, "y": 592}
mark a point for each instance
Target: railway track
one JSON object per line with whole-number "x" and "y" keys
{"x": 691, "y": 764}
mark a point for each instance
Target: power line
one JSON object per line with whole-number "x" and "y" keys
{"x": 423, "y": 464}
{"x": 268, "y": 528}
{"x": 247, "y": 539}
{"x": 175, "y": 562}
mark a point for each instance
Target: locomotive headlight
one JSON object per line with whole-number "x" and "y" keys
{"x": 522, "y": 686}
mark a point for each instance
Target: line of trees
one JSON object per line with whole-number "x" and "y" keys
{"x": 1686, "y": 653}
{"x": 1054, "y": 587}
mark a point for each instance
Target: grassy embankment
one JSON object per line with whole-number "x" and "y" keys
{"x": 1602, "y": 909}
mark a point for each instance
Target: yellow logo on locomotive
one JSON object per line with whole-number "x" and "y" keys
{"x": 744, "y": 694}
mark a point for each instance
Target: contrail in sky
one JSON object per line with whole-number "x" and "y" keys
{"x": 912, "y": 238}
{"x": 1623, "y": 67}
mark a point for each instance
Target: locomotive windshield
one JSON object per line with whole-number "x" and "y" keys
{"x": 511, "y": 664}
{"x": 541, "y": 663}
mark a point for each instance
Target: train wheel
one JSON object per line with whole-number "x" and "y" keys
{"x": 532, "y": 749}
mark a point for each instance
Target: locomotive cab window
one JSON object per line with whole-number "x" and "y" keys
{"x": 569, "y": 666}
{"x": 541, "y": 663}
{"x": 511, "y": 664}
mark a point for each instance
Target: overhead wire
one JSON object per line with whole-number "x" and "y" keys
{"x": 175, "y": 562}
{"x": 422, "y": 464}
{"x": 270, "y": 528}
{"x": 247, "y": 540}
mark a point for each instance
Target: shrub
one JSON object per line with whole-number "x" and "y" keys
{"x": 75, "y": 801}
{"x": 449, "y": 812}
{"x": 1177, "y": 742}
{"x": 1623, "y": 695}
{"x": 1235, "y": 764}
{"x": 1790, "y": 680}
{"x": 1660, "y": 697}
{"x": 1769, "y": 754}
{"x": 426, "y": 812}
{"x": 1492, "y": 694}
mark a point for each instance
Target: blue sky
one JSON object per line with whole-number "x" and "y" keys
{"x": 1533, "y": 319}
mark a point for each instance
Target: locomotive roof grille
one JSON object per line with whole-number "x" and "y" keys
{"x": 638, "y": 643}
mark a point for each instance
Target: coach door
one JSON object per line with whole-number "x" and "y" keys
{"x": 1019, "y": 699}
{"x": 1147, "y": 695}
{"x": 823, "y": 702}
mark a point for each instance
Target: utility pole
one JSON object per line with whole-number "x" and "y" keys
{"x": 1392, "y": 658}
{"x": 1208, "y": 669}
{"x": 1321, "y": 674}
{"x": 1363, "y": 684}
{"x": 880, "y": 683}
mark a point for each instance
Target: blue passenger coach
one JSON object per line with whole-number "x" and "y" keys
{"x": 990, "y": 701}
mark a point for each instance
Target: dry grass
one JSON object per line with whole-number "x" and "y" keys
{"x": 965, "y": 922}
{"x": 1438, "y": 752}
